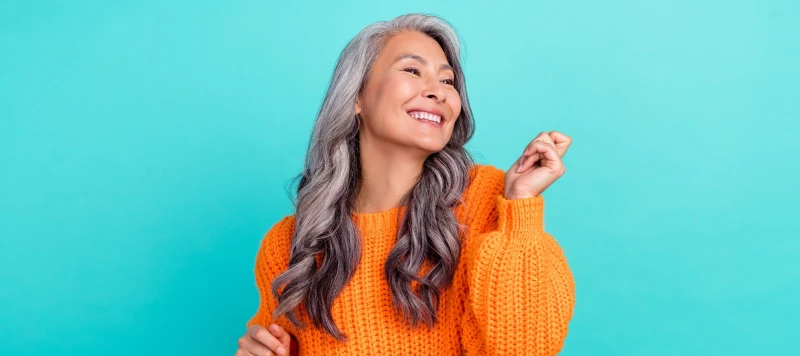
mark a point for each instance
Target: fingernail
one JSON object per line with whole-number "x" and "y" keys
{"x": 281, "y": 351}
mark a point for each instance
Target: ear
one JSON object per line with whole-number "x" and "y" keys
{"x": 358, "y": 105}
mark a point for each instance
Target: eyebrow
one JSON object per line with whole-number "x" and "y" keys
{"x": 418, "y": 58}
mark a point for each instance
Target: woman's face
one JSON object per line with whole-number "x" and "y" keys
{"x": 410, "y": 87}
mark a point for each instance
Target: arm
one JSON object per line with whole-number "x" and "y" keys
{"x": 267, "y": 267}
{"x": 272, "y": 259}
{"x": 521, "y": 291}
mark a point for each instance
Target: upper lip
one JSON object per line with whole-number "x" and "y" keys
{"x": 430, "y": 111}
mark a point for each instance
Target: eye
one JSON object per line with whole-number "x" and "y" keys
{"x": 412, "y": 70}
{"x": 449, "y": 82}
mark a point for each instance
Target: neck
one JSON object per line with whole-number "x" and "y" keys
{"x": 388, "y": 173}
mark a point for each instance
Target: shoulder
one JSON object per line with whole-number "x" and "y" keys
{"x": 276, "y": 244}
{"x": 485, "y": 182}
{"x": 283, "y": 225}
{"x": 281, "y": 232}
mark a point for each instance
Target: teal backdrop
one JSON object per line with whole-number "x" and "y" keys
{"x": 146, "y": 147}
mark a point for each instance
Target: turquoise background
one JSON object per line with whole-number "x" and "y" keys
{"x": 145, "y": 148}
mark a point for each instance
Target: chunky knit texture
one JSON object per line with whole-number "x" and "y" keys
{"x": 512, "y": 293}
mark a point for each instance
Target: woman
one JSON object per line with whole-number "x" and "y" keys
{"x": 400, "y": 244}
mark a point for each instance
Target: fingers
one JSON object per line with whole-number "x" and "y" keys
{"x": 283, "y": 337}
{"x": 542, "y": 137}
{"x": 526, "y": 161}
{"x": 250, "y": 347}
{"x": 539, "y": 153}
{"x": 561, "y": 141}
{"x": 241, "y": 351}
{"x": 551, "y": 157}
{"x": 260, "y": 342}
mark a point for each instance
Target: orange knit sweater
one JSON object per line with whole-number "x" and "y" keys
{"x": 512, "y": 292}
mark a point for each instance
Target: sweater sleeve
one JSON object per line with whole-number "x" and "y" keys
{"x": 272, "y": 259}
{"x": 521, "y": 292}
{"x": 266, "y": 269}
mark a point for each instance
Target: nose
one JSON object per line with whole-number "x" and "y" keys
{"x": 434, "y": 90}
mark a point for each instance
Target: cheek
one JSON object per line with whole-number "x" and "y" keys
{"x": 397, "y": 89}
{"x": 455, "y": 104}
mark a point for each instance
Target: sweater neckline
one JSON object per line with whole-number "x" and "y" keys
{"x": 380, "y": 219}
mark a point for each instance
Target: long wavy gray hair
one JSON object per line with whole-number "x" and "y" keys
{"x": 328, "y": 186}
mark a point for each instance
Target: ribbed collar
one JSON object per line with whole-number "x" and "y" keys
{"x": 384, "y": 221}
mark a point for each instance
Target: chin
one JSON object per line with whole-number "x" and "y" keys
{"x": 431, "y": 147}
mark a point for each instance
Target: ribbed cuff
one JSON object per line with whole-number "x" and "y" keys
{"x": 525, "y": 216}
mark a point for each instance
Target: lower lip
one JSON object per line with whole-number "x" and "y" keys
{"x": 426, "y": 122}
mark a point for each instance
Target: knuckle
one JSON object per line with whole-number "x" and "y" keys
{"x": 259, "y": 334}
{"x": 276, "y": 328}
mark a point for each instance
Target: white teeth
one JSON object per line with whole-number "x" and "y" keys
{"x": 426, "y": 116}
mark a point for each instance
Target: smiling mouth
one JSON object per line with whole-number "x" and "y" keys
{"x": 426, "y": 117}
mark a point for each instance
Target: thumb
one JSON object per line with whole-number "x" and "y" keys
{"x": 281, "y": 335}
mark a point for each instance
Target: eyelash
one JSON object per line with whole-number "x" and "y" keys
{"x": 451, "y": 82}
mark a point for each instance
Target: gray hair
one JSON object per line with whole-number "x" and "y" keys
{"x": 428, "y": 231}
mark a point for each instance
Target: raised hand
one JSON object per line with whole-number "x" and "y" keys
{"x": 539, "y": 166}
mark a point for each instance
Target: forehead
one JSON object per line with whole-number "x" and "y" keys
{"x": 412, "y": 42}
